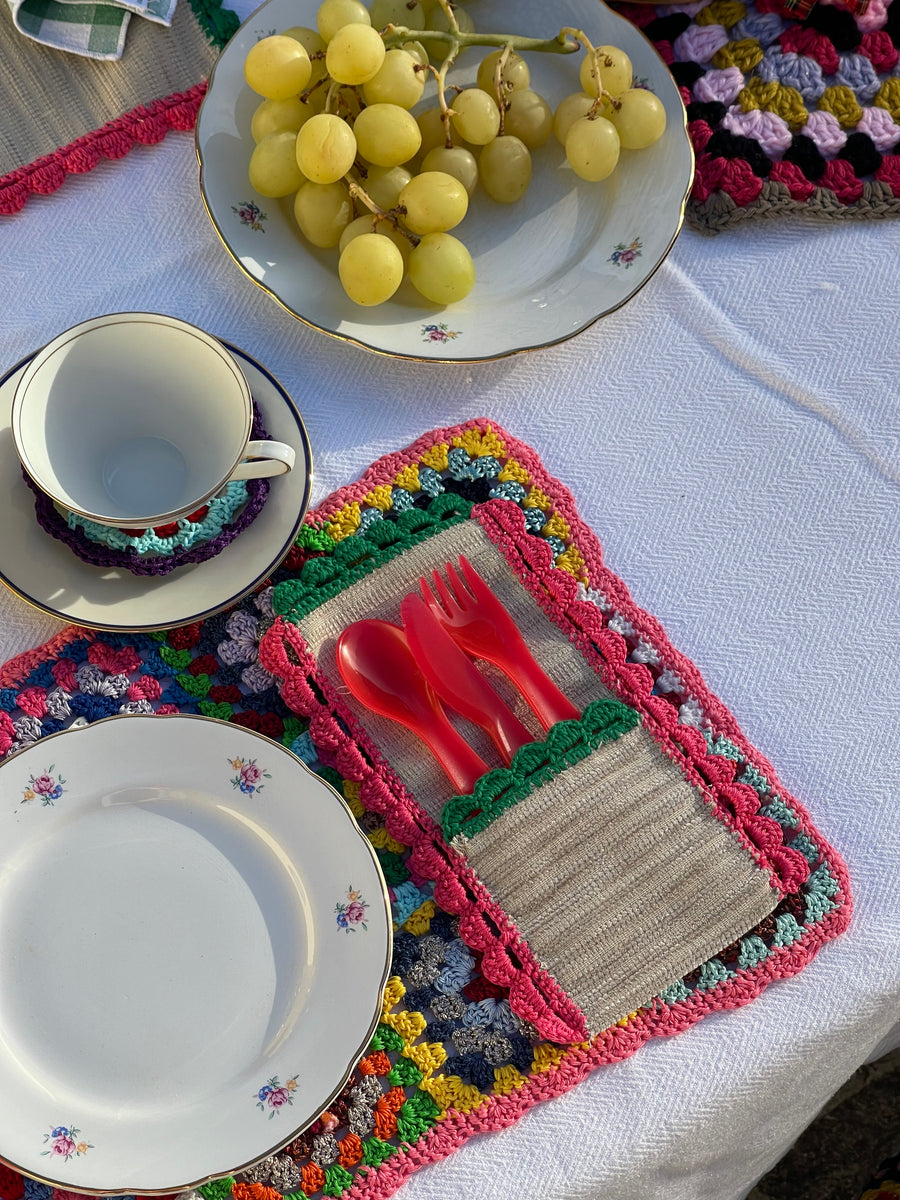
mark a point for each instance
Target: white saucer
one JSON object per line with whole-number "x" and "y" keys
{"x": 47, "y": 574}
{"x": 189, "y": 968}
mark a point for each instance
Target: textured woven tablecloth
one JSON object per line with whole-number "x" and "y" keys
{"x": 731, "y": 435}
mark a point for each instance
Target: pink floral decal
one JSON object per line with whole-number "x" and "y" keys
{"x": 46, "y": 787}
{"x": 351, "y": 912}
{"x": 249, "y": 776}
{"x": 250, "y": 214}
{"x": 275, "y": 1095}
{"x": 439, "y": 333}
{"x": 624, "y": 256}
{"x": 65, "y": 1142}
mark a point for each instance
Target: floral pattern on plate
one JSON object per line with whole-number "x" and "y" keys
{"x": 47, "y": 787}
{"x": 251, "y": 215}
{"x": 274, "y": 1095}
{"x": 351, "y": 912}
{"x": 249, "y": 776}
{"x": 65, "y": 1142}
{"x": 439, "y": 333}
{"x": 624, "y": 256}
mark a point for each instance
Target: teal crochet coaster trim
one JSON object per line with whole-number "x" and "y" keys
{"x": 566, "y": 743}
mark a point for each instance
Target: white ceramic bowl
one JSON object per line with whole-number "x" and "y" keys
{"x": 567, "y": 254}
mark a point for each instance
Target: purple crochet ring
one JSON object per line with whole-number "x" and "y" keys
{"x": 52, "y": 522}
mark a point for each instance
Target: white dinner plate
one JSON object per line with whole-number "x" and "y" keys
{"x": 195, "y": 935}
{"x": 547, "y": 267}
{"x": 46, "y": 573}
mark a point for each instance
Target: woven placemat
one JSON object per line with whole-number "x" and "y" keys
{"x": 455, "y": 1053}
{"x": 63, "y": 114}
{"x": 786, "y": 116}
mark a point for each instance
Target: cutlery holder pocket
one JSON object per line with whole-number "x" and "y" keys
{"x": 607, "y": 863}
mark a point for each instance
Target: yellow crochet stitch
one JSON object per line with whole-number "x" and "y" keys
{"x": 538, "y": 499}
{"x": 380, "y": 497}
{"x": 571, "y": 560}
{"x": 888, "y": 96}
{"x": 786, "y": 102}
{"x": 507, "y": 1079}
{"x": 514, "y": 472}
{"x": 722, "y": 12}
{"x": 842, "y": 103}
{"x": 409, "y": 478}
{"x": 745, "y": 54}
{"x": 344, "y": 523}
{"x": 420, "y": 921}
{"x": 449, "y": 1092}
{"x": 436, "y": 457}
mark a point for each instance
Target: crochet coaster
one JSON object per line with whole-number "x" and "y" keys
{"x": 786, "y": 116}
{"x": 454, "y": 1055}
{"x": 90, "y": 110}
{"x": 195, "y": 539}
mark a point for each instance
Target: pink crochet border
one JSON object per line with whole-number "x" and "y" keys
{"x": 507, "y": 958}
{"x": 145, "y": 125}
{"x": 17, "y": 669}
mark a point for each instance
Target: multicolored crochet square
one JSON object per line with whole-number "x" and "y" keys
{"x": 785, "y": 115}
{"x": 453, "y": 1055}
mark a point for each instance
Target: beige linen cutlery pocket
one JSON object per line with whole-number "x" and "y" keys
{"x": 616, "y": 873}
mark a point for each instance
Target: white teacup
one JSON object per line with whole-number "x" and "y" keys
{"x": 137, "y": 419}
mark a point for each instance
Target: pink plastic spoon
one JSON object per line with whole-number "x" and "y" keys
{"x": 376, "y": 663}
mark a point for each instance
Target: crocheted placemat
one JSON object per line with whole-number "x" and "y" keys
{"x": 786, "y": 116}
{"x": 63, "y": 113}
{"x": 453, "y": 1055}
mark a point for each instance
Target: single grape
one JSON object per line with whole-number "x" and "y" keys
{"x": 434, "y": 202}
{"x": 371, "y": 269}
{"x": 434, "y": 131}
{"x": 640, "y": 119}
{"x": 386, "y": 135}
{"x": 312, "y": 44}
{"x": 275, "y": 116}
{"x": 386, "y": 229}
{"x": 516, "y": 74}
{"x": 505, "y": 169}
{"x": 273, "y": 169}
{"x": 326, "y": 148}
{"x": 476, "y": 117}
{"x": 384, "y": 185}
{"x": 354, "y": 54}
{"x": 397, "y": 12}
{"x": 335, "y": 14}
{"x": 455, "y": 161}
{"x": 529, "y": 118}
{"x": 417, "y": 51}
{"x": 277, "y": 67}
{"x": 397, "y": 81}
{"x": 616, "y": 71}
{"x": 437, "y": 20}
{"x": 323, "y": 211}
{"x": 579, "y": 104}
{"x": 441, "y": 268}
{"x": 592, "y": 148}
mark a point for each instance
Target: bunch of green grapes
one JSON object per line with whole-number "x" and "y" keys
{"x": 336, "y": 131}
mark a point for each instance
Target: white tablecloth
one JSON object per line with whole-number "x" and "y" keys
{"x": 732, "y": 436}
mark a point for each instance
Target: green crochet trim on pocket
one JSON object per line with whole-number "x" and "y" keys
{"x": 358, "y": 556}
{"x": 566, "y": 743}
{"x": 218, "y": 23}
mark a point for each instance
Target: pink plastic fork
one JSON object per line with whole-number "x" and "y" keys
{"x": 481, "y": 625}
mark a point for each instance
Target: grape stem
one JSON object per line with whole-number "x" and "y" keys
{"x": 358, "y": 192}
{"x": 499, "y": 68}
{"x": 597, "y": 57}
{"x": 396, "y": 35}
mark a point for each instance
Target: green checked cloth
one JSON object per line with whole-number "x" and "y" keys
{"x": 93, "y": 30}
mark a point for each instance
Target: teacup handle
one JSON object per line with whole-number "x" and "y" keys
{"x": 262, "y": 459}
